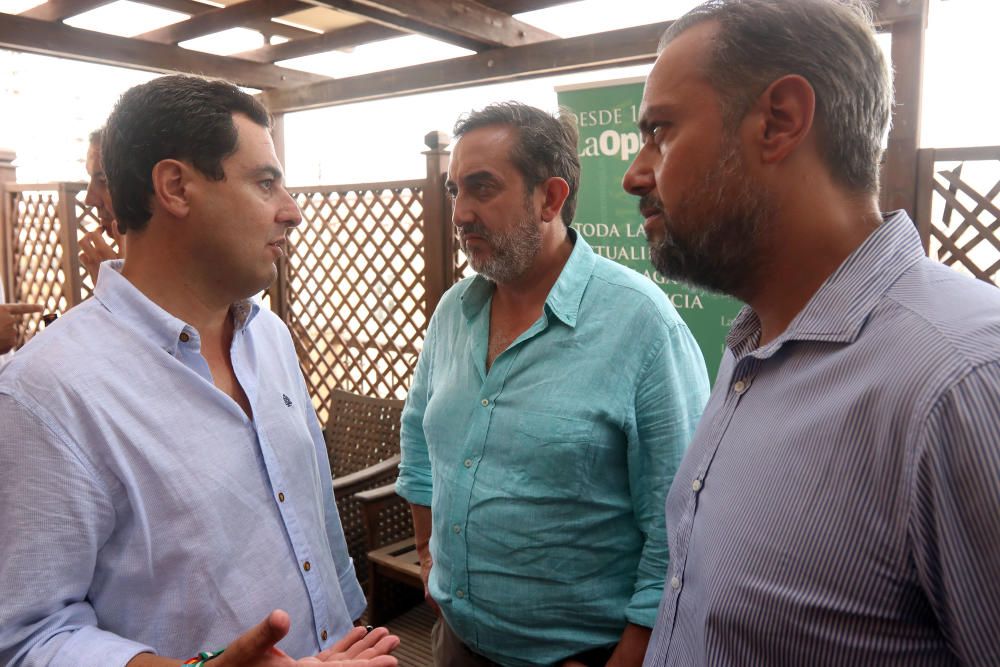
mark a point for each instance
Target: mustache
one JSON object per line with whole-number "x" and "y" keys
{"x": 650, "y": 202}
{"x": 477, "y": 228}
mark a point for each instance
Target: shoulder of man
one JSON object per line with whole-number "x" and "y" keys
{"x": 961, "y": 313}
{"x": 634, "y": 290}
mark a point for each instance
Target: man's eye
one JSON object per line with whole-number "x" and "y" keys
{"x": 267, "y": 183}
{"x": 655, "y": 132}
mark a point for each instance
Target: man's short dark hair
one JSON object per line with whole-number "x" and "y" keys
{"x": 830, "y": 43}
{"x": 176, "y": 117}
{"x": 546, "y": 145}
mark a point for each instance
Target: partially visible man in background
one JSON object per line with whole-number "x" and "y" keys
{"x": 94, "y": 247}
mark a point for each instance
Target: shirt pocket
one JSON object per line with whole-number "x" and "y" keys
{"x": 551, "y": 454}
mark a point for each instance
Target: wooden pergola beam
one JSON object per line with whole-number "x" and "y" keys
{"x": 57, "y": 10}
{"x": 466, "y": 23}
{"x": 266, "y": 26}
{"x": 890, "y": 12}
{"x": 628, "y": 46}
{"x": 55, "y": 39}
{"x": 341, "y": 38}
{"x": 223, "y": 18}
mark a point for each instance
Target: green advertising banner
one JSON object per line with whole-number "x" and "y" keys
{"x": 608, "y": 217}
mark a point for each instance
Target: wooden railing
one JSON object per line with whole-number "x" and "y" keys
{"x": 958, "y": 208}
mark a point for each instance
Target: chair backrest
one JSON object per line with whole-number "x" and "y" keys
{"x": 361, "y": 431}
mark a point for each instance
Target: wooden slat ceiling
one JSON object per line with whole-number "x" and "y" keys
{"x": 506, "y": 48}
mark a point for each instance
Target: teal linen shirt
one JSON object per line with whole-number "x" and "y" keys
{"x": 547, "y": 474}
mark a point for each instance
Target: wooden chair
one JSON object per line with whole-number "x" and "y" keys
{"x": 362, "y": 441}
{"x": 394, "y": 583}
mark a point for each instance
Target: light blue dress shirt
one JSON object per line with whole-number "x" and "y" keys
{"x": 547, "y": 474}
{"x": 840, "y": 502}
{"x": 141, "y": 509}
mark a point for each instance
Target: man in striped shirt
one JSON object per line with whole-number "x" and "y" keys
{"x": 840, "y": 501}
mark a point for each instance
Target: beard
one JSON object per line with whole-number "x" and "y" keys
{"x": 511, "y": 251}
{"x": 713, "y": 239}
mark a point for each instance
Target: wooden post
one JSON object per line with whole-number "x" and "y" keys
{"x": 439, "y": 265}
{"x": 899, "y": 172}
{"x": 8, "y": 174}
{"x": 68, "y": 224}
{"x": 925, "y": 195}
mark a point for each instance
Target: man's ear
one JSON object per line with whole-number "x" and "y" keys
{"x": 170, "y": 186}
{"x": 555, "y": 190}
{"x": 785, "y": 113}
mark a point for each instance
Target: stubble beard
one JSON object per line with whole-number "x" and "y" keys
{"x": 511, "y": 252}
{"x": 714, "y": 239}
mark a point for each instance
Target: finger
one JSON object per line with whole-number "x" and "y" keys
{"x": 22, "y": 308}
{"x": 348, "y": 640}
{"x": 385, "y": 646}
{"x": 259, "y": 639}
{"x": 366, "y": 642}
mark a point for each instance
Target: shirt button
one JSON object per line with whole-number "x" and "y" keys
{"x": 184, "y": 337}
{"x": 696, "y": 485}
{"x": 281, "y": 497}
{"x": 457, "y": 528}
{"x": 306, "y": 566}
{"x": 739, "y": 386}
{"x": 675, "y": 583}
{"x": 459, "y": 594}
{"x": 485, "y": 402}
{"x": 323, "y": 635}
{"x": 468, "y": 463}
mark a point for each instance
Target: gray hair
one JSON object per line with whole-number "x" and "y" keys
{"x": 830, "y": 43}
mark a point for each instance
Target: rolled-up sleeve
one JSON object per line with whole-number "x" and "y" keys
{"x": 414, "y": 481}
{"x": 669, "y": 400}
{"x": 55, "y": 515}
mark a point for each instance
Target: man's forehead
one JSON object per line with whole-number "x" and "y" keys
{"x": 680, "y": 66}
{"x": 485, "y": 149}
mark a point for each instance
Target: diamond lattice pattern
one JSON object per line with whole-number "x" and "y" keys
{"x": 37, "y": 254}
{"x": 965, "y": 228}
{"x": 355, "y": 289}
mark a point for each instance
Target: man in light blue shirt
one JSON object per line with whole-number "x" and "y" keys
{"x": 164, "y": 485}
{"x": 552, "y": 401}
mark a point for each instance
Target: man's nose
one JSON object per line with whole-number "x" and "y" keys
{"x": 289, "y": 214}
{"x": 639, "y": 178}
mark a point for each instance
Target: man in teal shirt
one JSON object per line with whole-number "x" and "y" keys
{"x": 553, "y": 400}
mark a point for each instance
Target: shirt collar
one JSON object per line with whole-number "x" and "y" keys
{"x": 563, "y": 300}
{"x": 127, "y": 303}
{"x": 842, "y": 304}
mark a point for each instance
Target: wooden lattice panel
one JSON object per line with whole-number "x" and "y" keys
{"x": 354, "y": 288}
{"x": 964, "y": 221}
{"x": 36, "y": 253}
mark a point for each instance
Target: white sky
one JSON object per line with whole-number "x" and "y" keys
{"x": 50, "y": 105}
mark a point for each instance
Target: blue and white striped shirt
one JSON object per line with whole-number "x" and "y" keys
{"x": 840, "y": 501}
{"x": 141, "y": 509}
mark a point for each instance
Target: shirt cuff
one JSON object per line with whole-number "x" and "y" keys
{"x": 93, "y": 646}
{"x": 413, "y": 491}
{"x": 641, "y": 609}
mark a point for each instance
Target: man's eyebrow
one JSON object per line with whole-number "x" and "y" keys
{"x": 654, "y": 111}
{"x": 472, "y": 180}
{"x": 268, "y": 170}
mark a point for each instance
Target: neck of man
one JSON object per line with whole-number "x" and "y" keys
{"x": 527, "y": 292}
{"x": 813, "y": 231}
{"x": 164, "y": 271}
